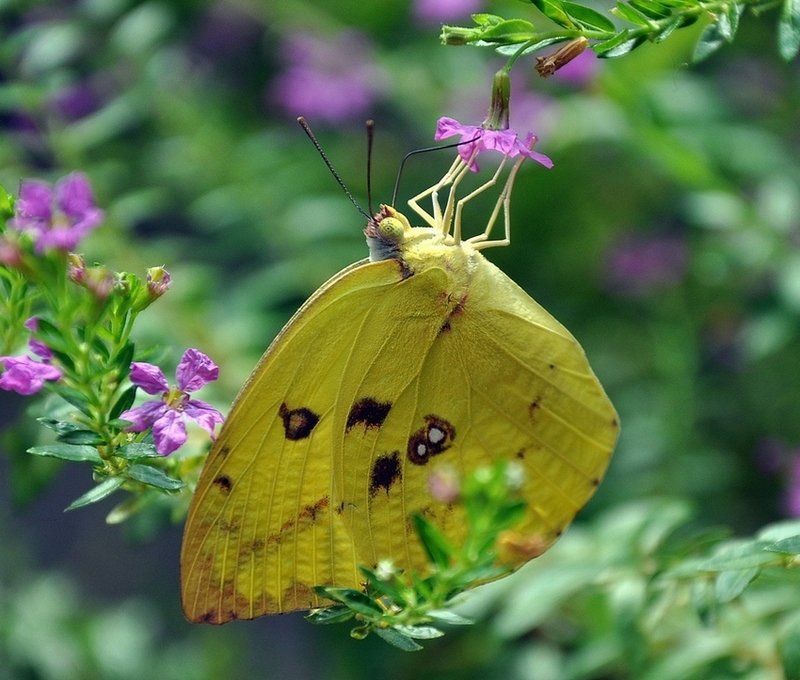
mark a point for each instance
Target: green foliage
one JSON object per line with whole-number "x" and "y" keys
{"x": 649, "y": 20}
{"x": 398, "y": 606}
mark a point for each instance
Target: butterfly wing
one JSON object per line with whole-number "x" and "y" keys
{"x": 265, "y": 524}
{"x": 498, "y": 377}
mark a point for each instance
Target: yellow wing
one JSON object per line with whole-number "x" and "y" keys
{"x": 495, "y": 376}
{"x": 265, "y": 523}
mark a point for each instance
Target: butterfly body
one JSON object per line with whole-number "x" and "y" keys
{"x": 426, "y": 355}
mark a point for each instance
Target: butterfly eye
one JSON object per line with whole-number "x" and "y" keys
{"x": 391, "y": 229}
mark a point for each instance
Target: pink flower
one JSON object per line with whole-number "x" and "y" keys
{"x": 167, "y": 415}
{"x": 58, "y": 217}
{"x": 477, "y": 139}
{"x": 23, "y": 375}
{"x": 333, "y": 81}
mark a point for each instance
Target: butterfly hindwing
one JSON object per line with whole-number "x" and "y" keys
{"x": 500, "y": 379}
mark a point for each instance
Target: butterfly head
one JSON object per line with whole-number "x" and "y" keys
{"x": 385, "y": 233}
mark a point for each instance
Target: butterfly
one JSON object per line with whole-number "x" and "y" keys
{"x": 424, "y": 354}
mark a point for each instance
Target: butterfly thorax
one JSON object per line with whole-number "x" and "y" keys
{"x": 418, "y": 249}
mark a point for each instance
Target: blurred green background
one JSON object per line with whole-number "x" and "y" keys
{"x": 665, "y": 238}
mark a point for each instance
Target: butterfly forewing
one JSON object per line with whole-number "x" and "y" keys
{"x": 263, "y": 528}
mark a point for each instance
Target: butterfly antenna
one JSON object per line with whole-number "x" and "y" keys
{"x": 370, "y": 140}
{"x": 425, "y": 150}
{"x": 307, "y": 129}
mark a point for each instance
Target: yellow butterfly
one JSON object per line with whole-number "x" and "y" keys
{"x": 424, "y": 354}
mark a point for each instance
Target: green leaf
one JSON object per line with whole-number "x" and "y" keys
{"x": 75, "y": 453}
{"x": 73, "y": 397}
{"x": 124, "y": 402}
{"x": 354, "y": 599}
{"x": 510, "y": 50}
{"x": 398, "y": 640}
{"x": 730, "y": 584}
{"x": 552, "y": 10}
{"x": 419, "y": 632}
{"x": 155, "y": 477}
{"x": 446, "y": 616}
{"x": 730, "y": 18}
{"x": 711, "y": 39}
{"x": 138, "y": 450}
{"x": 738, "y": 556}
{"x": 668, "y": 30}
{"x": 513, "y": 30}
{"x": 650, "y": 8}
{"x": 123, "y": 358}
{"x": 97, "y": 493}
{"x": 483, "y": 19}
{"x": 436, "y": 545}
{"x": 788, "y": 546}
{"x": 622, "y": 48}
{"x": 588, "y": 17}
{"x": 631, "y": 14}
{"x": 86, "y": 437}
{"x": 60, "y": 426}
{"x": 50, "y": 335}
{"x": 789, "y": 30}
{"x": 328, "y": 615}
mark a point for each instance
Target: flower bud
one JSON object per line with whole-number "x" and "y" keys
{"x": 158, "y": 281}
{"x": 76, "y": 268}
{"x": 499, "y": 111}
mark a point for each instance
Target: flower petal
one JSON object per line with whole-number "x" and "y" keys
{"x": 35, "y": 201}
{"x": 195, "y": 370}
{"x": 74, "y": 195}
{"x": 25, "y": 376}
{"x": 149, "y": 377}
{"x": 169, "y": 432}
{"x": 143, "y": 417}
{"x": 205, "y": 415}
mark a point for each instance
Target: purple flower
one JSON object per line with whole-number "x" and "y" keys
{"x": 478, "y": 139}
{"x": 167, "y": 415}
{"x": 640, "y": 264}
{"x": 37, "y": 346}
{"x": 328, "y": 80}
{"x": 437, "y": 11}
{"x": 23, "y": 375}
{"x": 58, "y": 217}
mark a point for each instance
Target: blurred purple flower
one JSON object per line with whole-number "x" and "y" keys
{"x": 328, "y": 80}
{"x": 167, "y": 415}
{"x": 37, "y": 346}
{"x": 580, "y": 71}
{"x": 24, "y": 375}
{"x": 76, "y": 101}
{"x": 58, "y": 217}
{"x": 639, "y": 264}
{"x": 478, "y": 139}
{"x": 437, "y": 11}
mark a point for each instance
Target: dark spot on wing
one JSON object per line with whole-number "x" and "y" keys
{"x": 435, "y": 437}
{"x": 520, "y": 454}
{"x": 368, "y": 412}
{"x": 224, "y": 483}
{"x": 224, "y": 451}
{"x": 385, "y": 472}
{"x": 596, "y": 481}
{"x": 308, "y": 515}
{"x": 297, "y": 422}
{"x": 340, "y": 508}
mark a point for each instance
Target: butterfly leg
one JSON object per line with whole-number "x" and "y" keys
{"x": 463, "y": 201}
{"x": 504, "y": 200}
{"x": 453, "y": 177}
{"x": 434, "y": 220}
